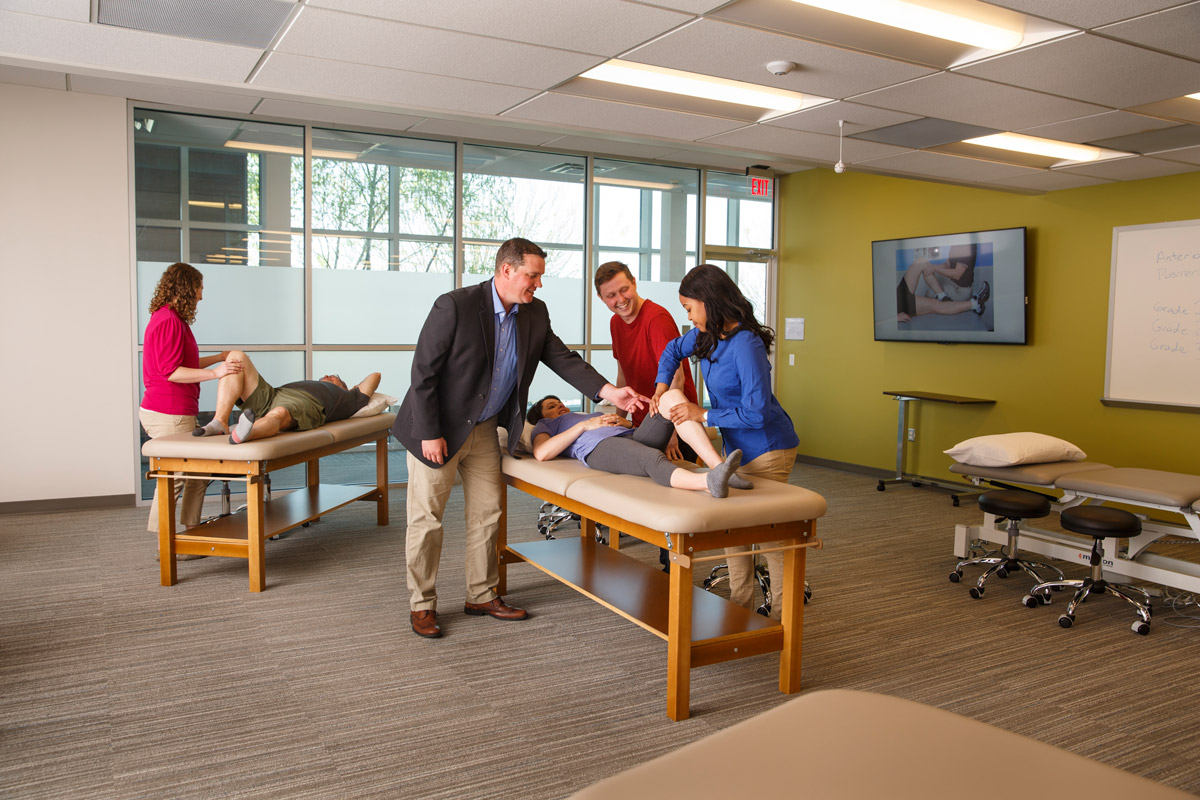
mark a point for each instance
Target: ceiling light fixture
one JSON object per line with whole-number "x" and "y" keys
{"x": 966, "y": 21}
{"x": 691, "y": 84}
{"x": 1067, "y": 151}
{"x": 665, "y": 187}
{"x": 291, "y": 151}
{"x": 1195, "y": 96}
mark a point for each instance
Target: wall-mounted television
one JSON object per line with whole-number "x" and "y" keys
{"x": 954, "y": 287}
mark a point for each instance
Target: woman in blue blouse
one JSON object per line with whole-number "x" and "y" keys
{"x": 732, "y": 349}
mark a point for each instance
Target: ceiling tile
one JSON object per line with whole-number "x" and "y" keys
{"x": 25, "y": 76}
{"x": 925, "y": 132}
{"x": 1180, "y": 109}
{"x": 800, "y": 144}
{"x": 824, "y": 118}
{"x": 1131, "y": 169}
{"x": 76, "y": 10}
{"x": 1173, "y": 31}
{"x": 925, "y": 164}
{"x": 1096, "y": 126}
{"x": 1085, "y": 13}
{"x": 721, "y": 161}
{"x": 603, "y": 115}
{"x": 335, "y": 79}
{"x": 609, "y": 147}
{"x": 1188, "y": 155}
{"x": 1048, "y": 181}
{"x": 335, "y": 114}
{"x": 588, "y": 28}
{"x": 718, "y": 48}
{"x": 321, "y": 33}
{"x": 961, "y": 98}
{"x": 472, "y": 130}
{"x": 1093, "y": 69}
{"x": 1155, "y": 141}
{"x": 248, "y": 23}
{"x": 104, "y": 46}
{"x": 172, "y": 95}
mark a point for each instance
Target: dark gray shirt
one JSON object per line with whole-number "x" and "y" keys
{"x": 337, "y": 402}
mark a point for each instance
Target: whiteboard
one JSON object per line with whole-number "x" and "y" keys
{"x": 1154, "y": 316}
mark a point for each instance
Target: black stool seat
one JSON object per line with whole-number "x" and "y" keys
{"x": 1100, "y": 521}
{"x": 1014, "y": 504}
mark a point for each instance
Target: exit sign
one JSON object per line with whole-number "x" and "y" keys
{"x": 760, "y": 187}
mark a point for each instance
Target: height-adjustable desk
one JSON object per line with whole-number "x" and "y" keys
{"x": 902, "y": 400}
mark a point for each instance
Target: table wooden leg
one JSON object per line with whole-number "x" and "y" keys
{"x": 614, "y": 538}
{"x": 256, "y": 535}
{"x": 502, "y": 545}
{"x": 792, "y": 618}
{"x": 166, "y": 532}
{"x": 679, "y": 643}
{"x": 381, "y": 481}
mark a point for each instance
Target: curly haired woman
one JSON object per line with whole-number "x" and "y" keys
{"x": 172, "y": 370}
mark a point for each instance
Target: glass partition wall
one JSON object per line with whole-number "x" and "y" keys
{"x": 323, "y": 250}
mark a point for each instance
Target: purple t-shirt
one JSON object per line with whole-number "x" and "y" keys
{"x": 583, "y": 446}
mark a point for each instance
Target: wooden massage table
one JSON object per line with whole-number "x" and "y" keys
{"x": 214, "y": 458}
{"x": 700, "y": 628}
{"x": 1143, "y": 491}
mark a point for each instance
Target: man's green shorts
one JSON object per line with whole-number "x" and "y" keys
{"x": 304, "y": 408}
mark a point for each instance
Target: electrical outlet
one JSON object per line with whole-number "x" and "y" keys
{"x": 912, "y": 434}
{"x": 791, "y": 359}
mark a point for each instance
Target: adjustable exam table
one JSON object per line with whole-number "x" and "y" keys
{"x": 700, "y": 628}
{"x": 182, "y": 456}
{"x": 1145, "y": 491}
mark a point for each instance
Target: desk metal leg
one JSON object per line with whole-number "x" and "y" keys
{"x": 901, "y": 443}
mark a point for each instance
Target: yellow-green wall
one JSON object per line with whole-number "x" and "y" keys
{"x": 1051, "y": 385}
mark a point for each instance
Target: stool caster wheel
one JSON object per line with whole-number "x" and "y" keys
{"x": 977, "y": 592}
{"x": 1002, "y": 573}
{"x": 807, "y": 594}
{"x": 955, "y": 576}
{"x": 880, "y": 487}
{"x": 1034, "y": 600}
{"x": 708, "y": 583}
{"x": 1065, "y": 621}
{"x": 1141, "y": 627}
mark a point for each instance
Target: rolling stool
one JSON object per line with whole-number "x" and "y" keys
{"x": 1099, "y": 522}
{"x": 1013, "y": 505}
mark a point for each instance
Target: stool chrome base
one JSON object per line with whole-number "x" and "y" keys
{"x": 1095, "y": 584}
{"x": 1004, "y": 562}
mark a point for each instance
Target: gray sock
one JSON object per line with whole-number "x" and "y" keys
{"x": 718, "y": 476}
{"x": 215, "y": 427}
{"x": 736, "y": 481}
{"x": 242, "y": 429}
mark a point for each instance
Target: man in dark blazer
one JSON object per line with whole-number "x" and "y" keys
{"x": 475, "y": 359}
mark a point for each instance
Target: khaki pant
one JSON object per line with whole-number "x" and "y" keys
{"x": 478, "y": 462}
{"x": 775, "y": 465}
{"x": 157, "y": 425}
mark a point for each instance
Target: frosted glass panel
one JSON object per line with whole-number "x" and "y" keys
{"x": 546, "y": 381}
{"x": 369, "y": 307}
{"x": 563, "y": 301}
{"x": 242, "y": 304}
{"x": 394, "y": 367}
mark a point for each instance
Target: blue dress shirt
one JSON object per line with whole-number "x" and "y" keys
{"x": 504, "y": 371}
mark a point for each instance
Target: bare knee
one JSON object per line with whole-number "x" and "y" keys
{"x": 670, "y": 399}
{"x": 281, "y": 415}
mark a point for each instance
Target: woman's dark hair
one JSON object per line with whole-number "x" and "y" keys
{"x": 535, "y": 411}
{"x": 723, "y": 303}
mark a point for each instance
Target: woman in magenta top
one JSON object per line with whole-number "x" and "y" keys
{"x": 172, "y": 370}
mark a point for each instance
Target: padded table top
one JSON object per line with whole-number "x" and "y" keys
{"x": 1138, "y": 485}
{"x": 219, "y": 448}
{"x": 643, "y": 502}
{"x": 1044, "y": 474}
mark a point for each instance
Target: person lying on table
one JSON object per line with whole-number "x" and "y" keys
{"x": 610, "y": 443}
{"x": 300, "y": 405}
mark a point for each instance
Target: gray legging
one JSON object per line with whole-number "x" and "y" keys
{"x": 640, "y": 453}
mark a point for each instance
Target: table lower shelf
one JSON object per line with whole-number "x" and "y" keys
{"x": 229, "y": 536}
{"x": 641, "y": 594}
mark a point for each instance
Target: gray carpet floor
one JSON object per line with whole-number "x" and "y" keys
{"x": 112, "y": 686}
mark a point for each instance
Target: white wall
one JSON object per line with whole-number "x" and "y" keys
{"x": 65, "y": 316}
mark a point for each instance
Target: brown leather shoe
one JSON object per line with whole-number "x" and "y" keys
{"x": 495, "y": 608}
{"x": 424, "y": 623}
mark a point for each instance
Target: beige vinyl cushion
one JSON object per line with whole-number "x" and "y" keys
{"x": 849, "y": 745}
{"x": 1046, "y": 474}
{"x": 184, "y": 445}
{"x": 554, "y": 475}
{"x": 1138, "y": 485}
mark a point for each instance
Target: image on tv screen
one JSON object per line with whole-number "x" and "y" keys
{"x": 962, "y": 287}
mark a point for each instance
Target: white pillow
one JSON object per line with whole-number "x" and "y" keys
{"x": 525, "y": 443}
{"x": 1010, "y": 449}
{"x": 376, "y": 405}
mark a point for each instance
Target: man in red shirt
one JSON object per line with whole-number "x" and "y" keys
{"x": 640, "y": 331}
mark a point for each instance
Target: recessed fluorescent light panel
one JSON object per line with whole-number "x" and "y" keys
{"x": 965, "y": 21}
{"x": 703, "y": 87}
{"x": 1195, "y": 96}
{"x": 1050, "y": 148}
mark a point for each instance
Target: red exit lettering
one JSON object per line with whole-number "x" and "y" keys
{"x": 760, "y": 187}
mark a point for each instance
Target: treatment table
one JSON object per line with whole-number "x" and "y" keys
{"x": 1144, "y": 491}
{"x": 185, "y": 457}
{"x": 700, "y": 628}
